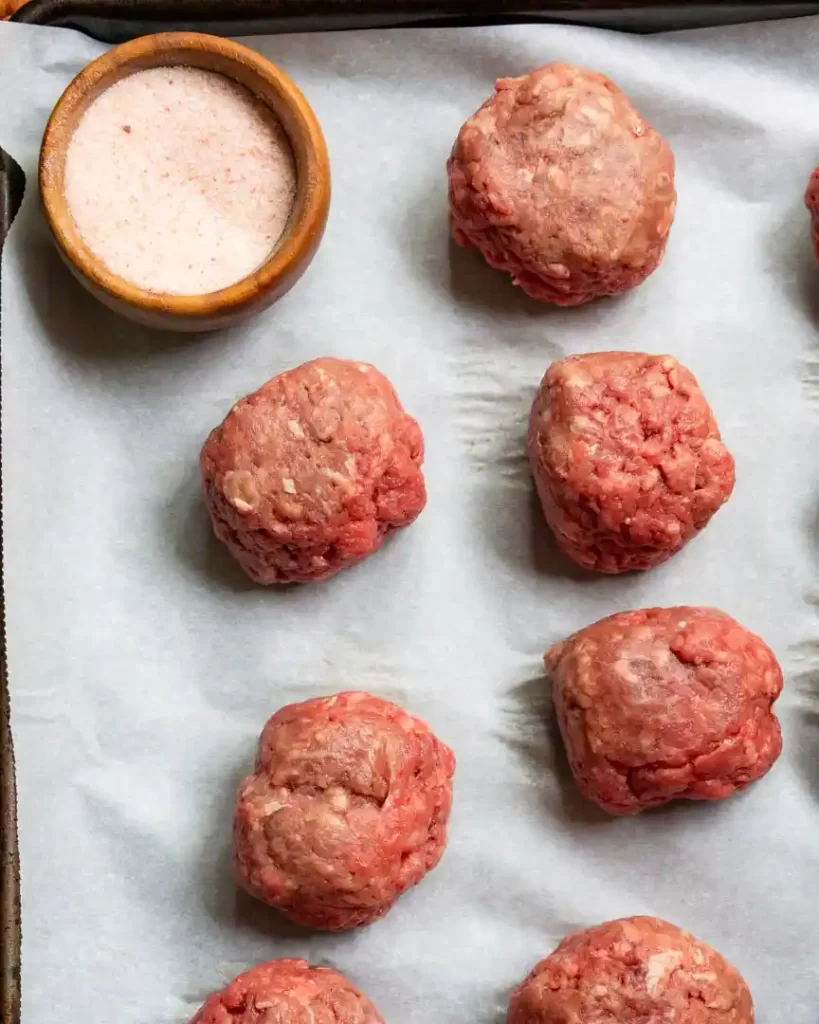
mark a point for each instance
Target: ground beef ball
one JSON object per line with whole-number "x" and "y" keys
{"x": 638, "y": 970}
{"x": 559, "y": 181}
{"x": 812, "y": 203}
{"x": 308, "y": 474}
{"x": 288, "y": 992}
{"x": 627, "y": 458}
{"x": 665, "y": 703}
{"x": 347, "y": 807}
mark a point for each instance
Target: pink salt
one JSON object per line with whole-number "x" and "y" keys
{"x": 180, "y": 180}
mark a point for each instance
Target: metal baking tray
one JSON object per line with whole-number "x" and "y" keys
{"x": 117, "y": 20}
{"x": 12, "y": 186}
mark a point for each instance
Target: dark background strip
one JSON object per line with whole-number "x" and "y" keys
{"x": 117, "y": 20}
{"x": 12, "y": 186}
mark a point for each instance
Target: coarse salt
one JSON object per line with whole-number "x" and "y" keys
{"x": 180, "y": 180}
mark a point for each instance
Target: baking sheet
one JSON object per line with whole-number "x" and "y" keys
{"x": 116, "y": 20}
{"x": 143, "y": 665}
{"x": 12, "y": 188}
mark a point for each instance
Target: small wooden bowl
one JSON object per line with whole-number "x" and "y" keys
{"x": 304, "y": 229}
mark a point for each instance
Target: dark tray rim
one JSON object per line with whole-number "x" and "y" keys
{"x": 115, "y": 21}
{"x": 12, "y": 187}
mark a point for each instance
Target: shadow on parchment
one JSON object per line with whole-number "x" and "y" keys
{"x": 806, "y": 713}
{"x": 223, "y": 899}
{"x": 531, "y": 730}
{"x": 500, "y": 1010}
{"x": 461, "y": 274}
{"x": 515, "y": 526}
{"x": 791, "y": 259}
{"x": 807, "y": 728}
{"x": 73, "y": 320}
{"x": 464, "y": 275}
{"x": 473, "y": 282}
{"x": 193, "y": 542}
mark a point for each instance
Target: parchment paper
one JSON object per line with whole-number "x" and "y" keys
{"x": 143, "y": 665}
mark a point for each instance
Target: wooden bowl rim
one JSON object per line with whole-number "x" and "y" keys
{"x": 312, "y": 183}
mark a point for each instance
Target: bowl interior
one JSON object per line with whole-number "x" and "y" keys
{"x": 264, "y": 81}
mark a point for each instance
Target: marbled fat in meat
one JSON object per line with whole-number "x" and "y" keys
{"x": 559, "y": 181}
{"x": 663, "y": 704}
{"x": 288, "y": 992}
{"x": 346, "y": 809}
{"x": 637, "y": 970}
{"x": 627, "y": 458}
{"x": 310, "y": 473}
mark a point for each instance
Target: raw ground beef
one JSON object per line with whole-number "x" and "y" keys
{"x": 288, "y": 992}
{"x": 347, "y": 807}
{"x": 309, "y": 474}
{"x": 665, "y": 703}
{"x": 627, "y": 458}
{"x": 638, "y": 970}
{"x": 558, "y": 180}
{"x": 812, "y": 203}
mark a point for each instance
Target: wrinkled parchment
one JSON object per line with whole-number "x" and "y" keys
{"x": 143, "y": 665}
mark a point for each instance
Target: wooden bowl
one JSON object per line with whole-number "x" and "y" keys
{"x": 301, "y": 235}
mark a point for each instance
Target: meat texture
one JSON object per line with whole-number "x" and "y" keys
{"x": 812, "y": 203}
{"x": 288, "y": 992}
{"x": 665, "y": 703}
{"x": 347, "y": 807}
{"x": 310, "y": 473}
{"x": 627, "y": 458}
{"x": 638, "y": 970}
{"x": 558, "y": 180}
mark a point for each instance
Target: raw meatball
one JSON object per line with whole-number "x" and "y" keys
{"x": 627, "y": 458}
{"x": 308, "y": 474}
{"x": 665, "y": 703}
{"x": 638, "y": 970}
{"x": 559, "y": 181}
{"x": 348, "y": 807}
{"x": 288, "y": 992}
{"x": 812, "y": 203}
